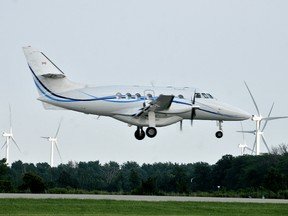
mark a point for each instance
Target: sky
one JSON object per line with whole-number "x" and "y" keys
{"x": 212, "y": 45}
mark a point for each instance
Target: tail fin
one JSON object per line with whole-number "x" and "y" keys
{"x": 41, "y": 65}
{"x": 49, "y": 79}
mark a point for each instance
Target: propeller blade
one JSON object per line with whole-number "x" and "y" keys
{"x": 193, "y": 111}
{"x": 257, "y": 109}
{"x": 16, "y": 144}
{"x": 56, "y": 144}
{"x": 181, "y": 125}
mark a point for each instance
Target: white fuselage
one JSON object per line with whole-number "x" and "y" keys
{"x": 123, "y": 102}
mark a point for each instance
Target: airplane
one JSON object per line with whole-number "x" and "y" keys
{"x": 140, "y": 106}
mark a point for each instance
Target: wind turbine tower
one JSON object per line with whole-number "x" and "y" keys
{"x": 54, "y": 142}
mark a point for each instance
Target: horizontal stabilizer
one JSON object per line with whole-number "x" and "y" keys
{"x": 51, "y": 107}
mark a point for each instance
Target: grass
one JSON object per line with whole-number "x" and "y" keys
{"x": 109, "y": 207}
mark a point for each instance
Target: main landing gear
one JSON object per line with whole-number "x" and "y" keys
{"x": 140, "y": 134}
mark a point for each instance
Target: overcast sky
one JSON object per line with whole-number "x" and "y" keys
{"x": 212, "y": 45}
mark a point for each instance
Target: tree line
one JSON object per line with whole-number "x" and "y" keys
{"x": 235, "y": 176}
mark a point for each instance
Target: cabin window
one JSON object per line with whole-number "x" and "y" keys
{"x": 128, "y": 96}
{"x": 138, "y": 96}
{"x": 118, "y": 95}
{"x": 149, "y": 96}
{"x": 181, "y": 96}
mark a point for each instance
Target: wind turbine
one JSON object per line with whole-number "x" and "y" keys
{"x": 259, "y": 131}
{"x": 243, "y": 146}
{"x": 9, "y": 136}
{"x": 54, "y": 142}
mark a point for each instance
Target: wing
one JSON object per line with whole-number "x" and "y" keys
{"x": 163, "y": 102}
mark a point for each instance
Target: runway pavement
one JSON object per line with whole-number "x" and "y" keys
{"x": 139, "y": 198}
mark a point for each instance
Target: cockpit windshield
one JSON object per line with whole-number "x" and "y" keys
{"x": 204, "y": 95}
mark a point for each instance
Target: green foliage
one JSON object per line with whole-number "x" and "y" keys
{"x": 32, "y": 182}
{"x": 243, "y": 176}
{"x": 70, "y": 207}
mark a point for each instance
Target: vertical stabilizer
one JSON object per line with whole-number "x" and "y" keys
{"x": 50, "y": 81}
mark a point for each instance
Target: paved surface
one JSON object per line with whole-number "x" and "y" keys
{"x": 139, "y": 198}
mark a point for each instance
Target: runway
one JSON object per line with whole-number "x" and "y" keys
{"x": 140, "y": 198}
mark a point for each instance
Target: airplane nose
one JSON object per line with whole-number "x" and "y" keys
{"x": 243, "y": 115}
{"x": 234, "y": 113}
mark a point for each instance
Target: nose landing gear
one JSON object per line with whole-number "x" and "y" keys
{"x": 219, "y": 134}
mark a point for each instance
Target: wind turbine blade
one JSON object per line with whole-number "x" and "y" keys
{"x": 16, "y": 144}
{"x": 263, "y": 138}
{"x": 58, "y": 128}
{"x": 56, "y": 144}
{"x": 4, "y": 144}
{"x": 249, "y": 149}
{"x": 242, "y": 132}
{"x": 45, "y": 137}
{"x": 274, "y": 118}
{"x": 266, "y": 121}
{"x": 10, "y": 118}
{"x": 257, "y": 109}
{"x": 254, "y": 145}
{"x": 252, "y": 132}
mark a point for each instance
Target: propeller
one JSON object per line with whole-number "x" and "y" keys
{"x": 181, "y": 125}
{"x": 193, "y": 109}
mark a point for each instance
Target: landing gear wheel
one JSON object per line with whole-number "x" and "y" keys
{"x": 139, "y": 134}
{"x": 151, "y": 132}
{"x": 219, "y": 134}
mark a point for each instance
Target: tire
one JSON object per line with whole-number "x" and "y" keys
{"x": 219, "y": 134}
{"x": 139, "y": 134}
{"x": 151, "y": 132}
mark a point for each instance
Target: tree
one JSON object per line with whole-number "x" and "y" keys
{"x": 5, "y": 183}
{"x": 148, "y": 187}
{"x": 274, "y": 180}
{"x": 202, "y": 177}
{"x": 110, "y": 172}
{"x": 33, "y": 182}
{"x": 220, "y": 170}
